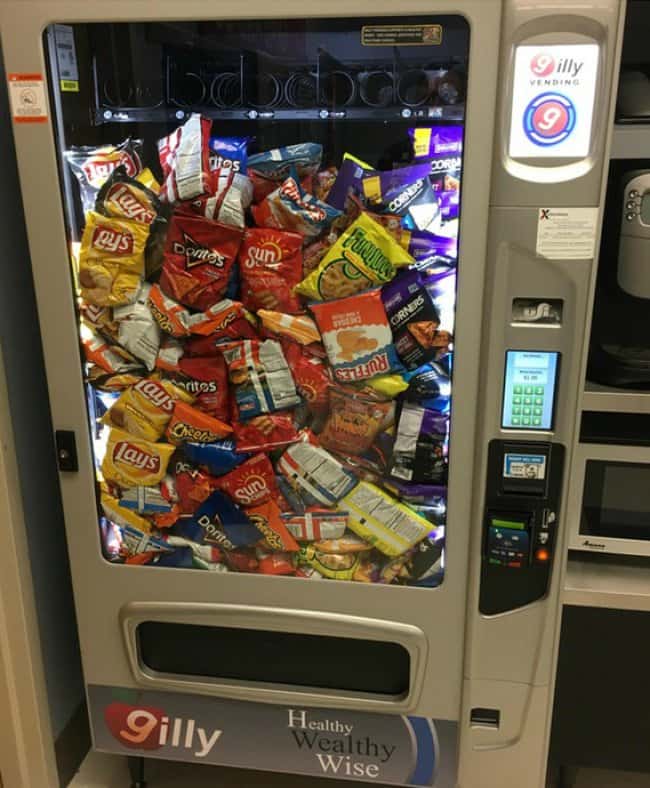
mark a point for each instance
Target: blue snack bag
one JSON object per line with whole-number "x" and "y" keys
{"x": 219, "y": 457}
{"x": 430, "y": 387}
{"x": 218, "y": 521}
{"x": 276, "y": 164}
{"x": 229, "y": 153}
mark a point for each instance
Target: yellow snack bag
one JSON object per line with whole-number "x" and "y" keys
{"x": 387, "y": 385}
{"x": 147, "y": 178}
{"x": 131, "y": 461}
{"x": 145, "y": 409}
{"x": 122, "y": 516}
{"x": 336, "y": 567}
{"x": 366, "y": 255}
{"x": 111, "y": 259}
{"x": 381, "y": 520}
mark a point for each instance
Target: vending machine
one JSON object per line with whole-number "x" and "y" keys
{"x": 312, "y": 283}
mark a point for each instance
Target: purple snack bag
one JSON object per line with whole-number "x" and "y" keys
{"x": 419, "y": 454}
{"x": 413, "y": 318}
{"x": 436, "y": 141}
{"x": 417, "y": 493}
{"x": 441, "y": 286}
{"x": 450, "y": 204}
{"x": 347, "y": 183}
{"x": 407, "y": 192}
{"x": 431, "y": 251}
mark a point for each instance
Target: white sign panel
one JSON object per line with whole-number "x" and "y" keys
{"x": 553, "y": 100}
{"x": 567, "y": 233}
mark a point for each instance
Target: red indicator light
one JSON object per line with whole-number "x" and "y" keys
{"x": 542, "y": 555}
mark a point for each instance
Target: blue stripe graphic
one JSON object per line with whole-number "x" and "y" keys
{"x": 426, "y": 752}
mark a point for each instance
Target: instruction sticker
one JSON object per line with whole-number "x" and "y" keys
{"x": 66, "y": 57}
{"x": 401, "y": 35}
{"x": 27, "y": 97}
{"x": 567, "y": 233}
{"x": 524, "y": 466}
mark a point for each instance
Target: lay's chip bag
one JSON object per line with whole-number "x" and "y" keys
{"x": 366, "y": 255}
{"x": 92, "y": 166}
{"x": 145, "y": 409}
{"x": 111, "y": 259}
{"x": 133, "y": 461}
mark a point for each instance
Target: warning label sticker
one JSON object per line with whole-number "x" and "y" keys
{"x": 27, "y": 97}
{"x": 567, "y": 233}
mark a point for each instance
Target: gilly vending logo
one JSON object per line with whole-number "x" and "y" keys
{"x": 549, "y": 72}
{"x": 149, "y": 728}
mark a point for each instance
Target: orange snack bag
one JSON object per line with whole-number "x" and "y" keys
{"x": 189, "y": 424}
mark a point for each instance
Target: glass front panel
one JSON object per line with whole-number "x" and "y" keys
{"x": 263, "y": 223}
{"x": 616, "y": 500}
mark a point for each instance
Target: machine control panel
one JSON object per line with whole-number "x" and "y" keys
{"x": 520, "y": 522}
{"x": 530, "y": 383}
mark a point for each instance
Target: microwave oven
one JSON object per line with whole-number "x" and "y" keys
{"x": 610, "y": 499}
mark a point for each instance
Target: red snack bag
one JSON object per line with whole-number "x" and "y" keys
{"x": 267, "y": 518}
{"x": 184, "y": 158}
{"x": 207, "y": 380}
{"x": 353, "y": 422}
{"x": 192, "y": 486}
{"x": 251, "y": 483}
{"x": 199, "y": 255}
{"x": 264, "y": 185}
{"x": 309, "y": 374}
{"x": 264, "y": 433}
{"x": 241, "y": 560}
{"x": 271, "y": 265}
{"x": 167, "y": 519}
{"x": 275, "y": 564}
{"x": 190, "y": 424}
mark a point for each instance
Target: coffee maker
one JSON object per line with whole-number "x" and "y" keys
{"x": 620, "y": 338}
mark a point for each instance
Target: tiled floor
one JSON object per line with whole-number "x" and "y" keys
{"x": 109, "y": 771}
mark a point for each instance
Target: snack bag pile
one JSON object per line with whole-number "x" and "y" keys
{"x": 268, "y": 338}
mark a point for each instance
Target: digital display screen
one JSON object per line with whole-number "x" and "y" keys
{"x": 553, "y": 92}
{"x": 529, "y": 389}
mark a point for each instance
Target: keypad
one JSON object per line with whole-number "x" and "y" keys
{"x": 527, "y": 406}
